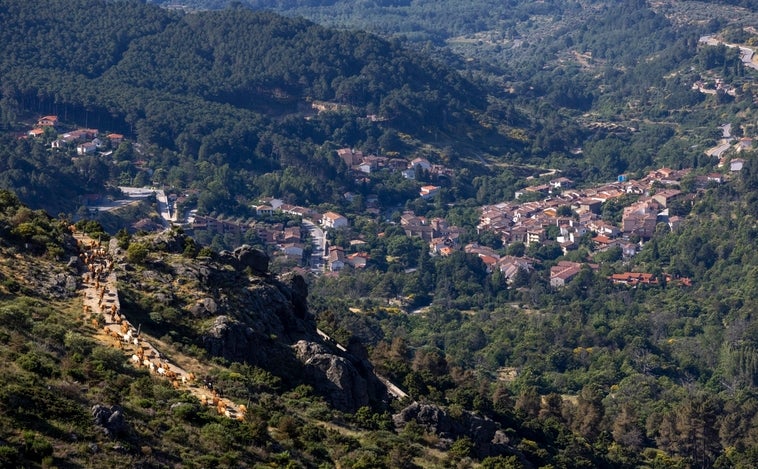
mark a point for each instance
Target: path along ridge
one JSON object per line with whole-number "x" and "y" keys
{"x": 102, "y": 309}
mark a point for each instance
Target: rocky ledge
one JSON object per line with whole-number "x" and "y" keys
{"x": 249, "y": 315}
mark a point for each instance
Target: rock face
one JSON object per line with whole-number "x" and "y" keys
{"x": 344, "y": 387}
{"x": 255, "y": 259}
{"x": 297, "y": 293}
{"x": 253, "y": 317}
{"x": 268, "y": 324}
{"x": 230, "y": 339}
{"x": 245, "y": 257}
{"x": 110, "y": 419}
{"x": 345, "y": 381}
{"x": 488, "y": 439}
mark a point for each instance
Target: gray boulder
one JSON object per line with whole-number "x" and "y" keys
{"x": 334, "y": 377}
{"x": 204, "y": 308}
{"x": 250, "y": 257}
{"x": 110, "y": 419}
{"x": 488, "y": 439}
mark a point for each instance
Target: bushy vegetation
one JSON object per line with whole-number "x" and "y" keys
{"x": 664, "y": 367}
{"x": 221, "y": 106}
{"x": 218, "y": 104}
{"x": 57, "y": 370}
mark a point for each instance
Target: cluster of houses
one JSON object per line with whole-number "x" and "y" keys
{"x": 508, "y": 266}
{"x": 528, "y": 222}
{"x": 285, "y": 239}
{"x": 43, "y": 123}
{"x": 641, "y": 278}
{"x": 441, "y": 236}
{"x": 418, "y": 168}
{"x": 555, "y": 210}
{"x": 85, "y": 141}
{"x": 336, "y": 259}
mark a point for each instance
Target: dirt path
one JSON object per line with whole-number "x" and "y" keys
{"x": 101, "y": 309}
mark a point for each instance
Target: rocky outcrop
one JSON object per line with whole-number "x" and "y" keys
{"x": 335, "y": 377}
{"x": 230, "y": 339}
{"x": 238, "y": 341}
{"x": 488, "y": 439}
{"x": 260, "y": 324}
{"x": 48, "y": 280}
{"x": 253, "y": 317}
{"x": 169, "y": 241}
{"x": 111, "y": 420}
{"x": 246, "y": 257}
{"x": 254, "y": 259}
{"x": 60, "y": 285}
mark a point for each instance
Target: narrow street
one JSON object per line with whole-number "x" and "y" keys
{"x": 318, "y": 239}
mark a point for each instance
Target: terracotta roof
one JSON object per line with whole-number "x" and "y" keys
{"x": 332, "y": 215}
{"x": 634, "y": 278}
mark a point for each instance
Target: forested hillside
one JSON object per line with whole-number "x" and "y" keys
{"x": 616, "y": 368}
{"x": 547, "y": 215}
{"x": 229, "y": 89}
{"x": 616, "y": 75}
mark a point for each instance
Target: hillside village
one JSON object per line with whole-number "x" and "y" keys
{"x": 557, "y": 213}
{"x": 83, "y": 141}
{"x": 563, "y": 216}
{"x": 536, "y": 219}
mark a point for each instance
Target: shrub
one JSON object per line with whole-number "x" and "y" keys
{"x": 137, "y": 253}
{"x": 35, "y": 363}
{"x": 16, "y": 317}
{"x": 36, "y": 446}
{"x": 106, "y": 358}
{"x": 77, "y": 343}
{"x": 8, "y": 456}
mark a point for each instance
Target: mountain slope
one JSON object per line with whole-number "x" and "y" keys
{"x": 255, "y": 92}
{"x": 234, "y": 57}
{"x": 71, "y": 397}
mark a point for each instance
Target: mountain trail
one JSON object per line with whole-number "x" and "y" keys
{"x": 101, "y": 309}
